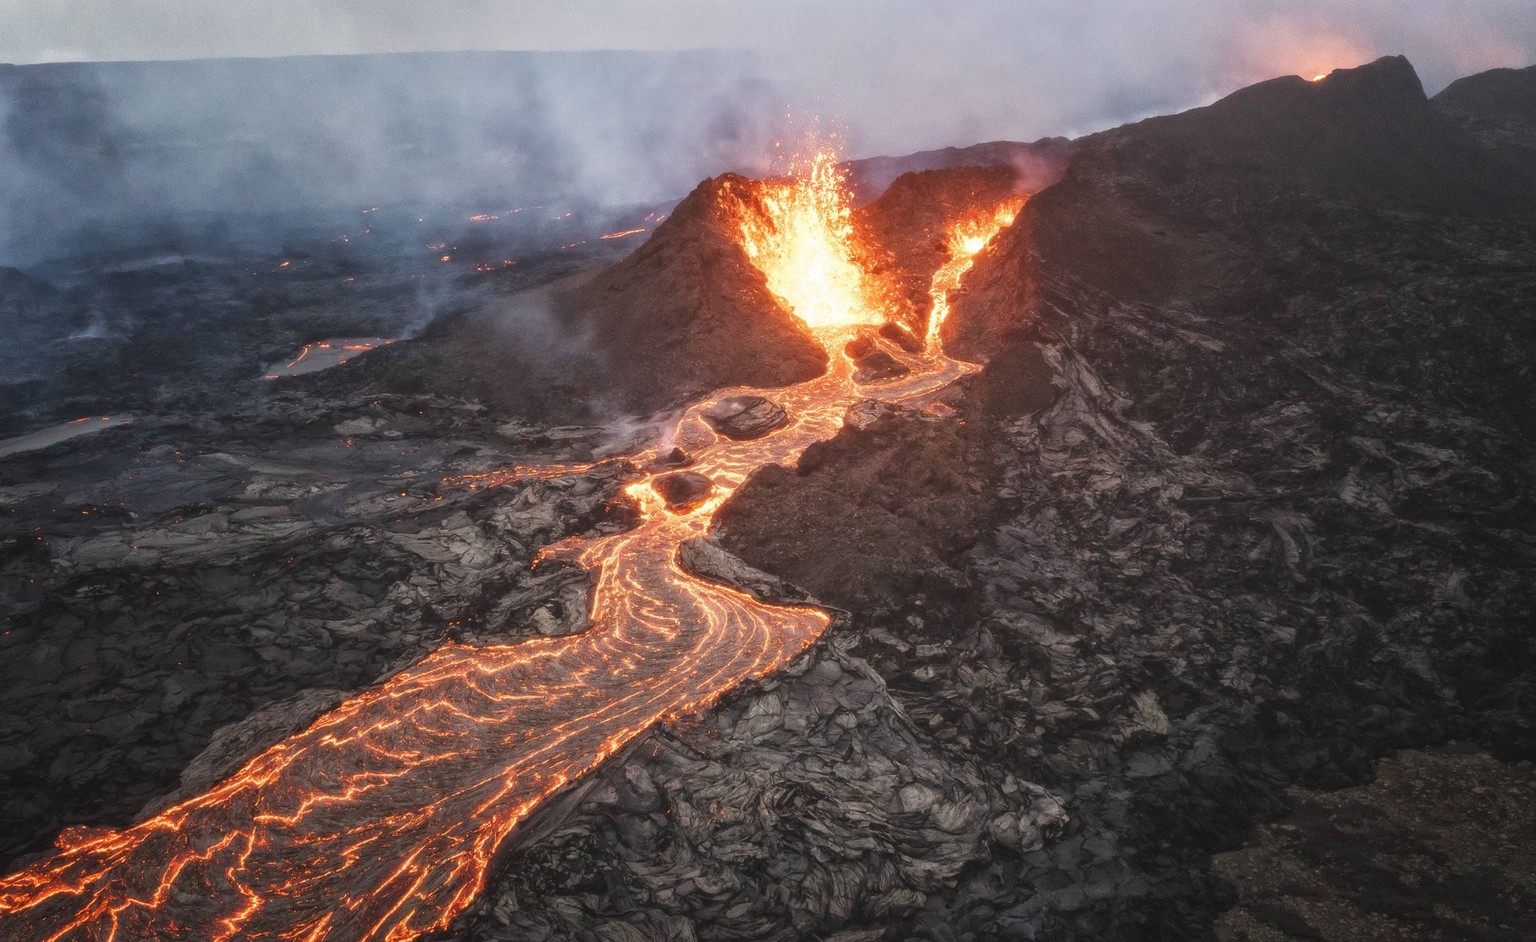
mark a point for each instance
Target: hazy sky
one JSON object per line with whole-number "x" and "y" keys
{"x": 901, "y": 73}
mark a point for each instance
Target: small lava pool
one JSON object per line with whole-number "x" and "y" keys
{"x": 44, "y": 438}
{"x": 324, "y": 354}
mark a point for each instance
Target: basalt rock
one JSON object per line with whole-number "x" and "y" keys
{"x": 872, "y": 364}
{"x": 1034, "y": 165}
{"x": 807, "y": 805}
{"x": 901, "y": 337}
{"x": 1498, "y": 107}
{"x": 675, "y": 458}
{"x": 1019, "y": 379}
{"x": 876, "y": 366}
{"x": 707, "y": 559}
{"x": 889, "y": 507}
{"x": 745, "y": 417}
{"x": 683, "y": 490}
{"x": 1232, "y": 216}
{"x": 1439, "y": 844}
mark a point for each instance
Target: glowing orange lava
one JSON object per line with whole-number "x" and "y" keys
{"x": 380, "y": 821}
{"x": 966, "y": 238}
{"x": 803, "y": 244}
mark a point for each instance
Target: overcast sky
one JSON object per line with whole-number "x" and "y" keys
{"x": 901, "y": 74}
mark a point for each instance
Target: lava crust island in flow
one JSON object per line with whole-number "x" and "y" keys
{"x": 381, "y": 820}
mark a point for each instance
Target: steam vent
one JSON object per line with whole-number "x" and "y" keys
{"x": 1110, "y": 538}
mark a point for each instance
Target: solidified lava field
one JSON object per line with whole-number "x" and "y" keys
{"x": 1119, "y": 538}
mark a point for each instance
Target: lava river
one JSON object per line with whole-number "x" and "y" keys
{"x": 381, "y": 820}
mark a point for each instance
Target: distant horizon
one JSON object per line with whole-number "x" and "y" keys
{"x": 913, "y": 74}
{"x": 1173, "y": 107}
{"x": 682, "y": 51}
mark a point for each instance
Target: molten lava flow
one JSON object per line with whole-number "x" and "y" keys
{"x": 381, "y": 820}
{"x": 625, "y": 233}
{"x": 966, "y": 238}
{"x": 803, "y": 244}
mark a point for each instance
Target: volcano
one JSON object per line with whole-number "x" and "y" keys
{"x": 1127, "y": 493}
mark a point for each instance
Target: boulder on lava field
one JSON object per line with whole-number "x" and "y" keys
{"x": 1017, "y": 381}
{"x": 889, "y": 507}
{"x": 901, "y": 337}
{"x": 707, "y": 559}
{"x": 872, "y": 364}
{"x": 745, "y": 417}
{"x": 878, "y": 366}
{"x": 688, "y": 313}
{"x": 676, "y": 458}
{"x": 683, "y": 490}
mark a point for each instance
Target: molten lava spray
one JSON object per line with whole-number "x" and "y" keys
{"x": 381, "y": 820}
{"x": 804, "y": 245}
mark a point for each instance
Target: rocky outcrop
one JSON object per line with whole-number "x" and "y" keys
{"x": 876, "y": 365}
{"x": 1035, "y": 165}
{"x": 683, "y": 490}
{"x": 745, "y": 417}
{"x": 1440, "y": 844}
{"x": 1348, "y": 215}
{"x": 874, "y": 519}
{"x": 708, "y": 559}
{"x": 1498, "y": 107}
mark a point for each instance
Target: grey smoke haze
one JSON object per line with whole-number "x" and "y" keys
{"x": 898, "y": 73}
{"x": 91, "y": 152}
{"x": 93, "y": 146}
